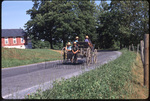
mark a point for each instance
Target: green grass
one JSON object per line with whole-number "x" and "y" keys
{"x": 16, "y": 57}
{"x": 110, "y": 81}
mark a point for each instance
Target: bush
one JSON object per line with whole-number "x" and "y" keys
{"x": 38, "y": 44}
{"x": 116, "y": 45}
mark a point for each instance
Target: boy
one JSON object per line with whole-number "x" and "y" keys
{"x": 75, "y": 50}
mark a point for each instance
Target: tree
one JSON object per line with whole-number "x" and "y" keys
{"x": 131, "y": 15}
{"x": 105, "y": 29}
{"x": 121, "y": 23}
{"x": 41, "y": 25}
{"x": 86, "y": 20}
{"x": 64, "y": 21}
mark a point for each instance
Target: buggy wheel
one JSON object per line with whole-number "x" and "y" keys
{"x": 88, "y": 56}
{"x": 95, "y": 56}
{"x": 63, "y": 55}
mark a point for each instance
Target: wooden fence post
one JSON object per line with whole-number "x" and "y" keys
{"x": 137, "y": 48}
{"x": 146, "y": 60}
{"x": 142, "y": 48}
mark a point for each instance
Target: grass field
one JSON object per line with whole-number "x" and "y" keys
{"x": 114, "y": 80}
{"x": 16, "y": 57}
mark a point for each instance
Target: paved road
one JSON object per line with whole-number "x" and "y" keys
{"x": 23, "y": 80}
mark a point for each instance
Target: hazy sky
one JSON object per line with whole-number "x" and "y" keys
{"x": 14, "y": 13}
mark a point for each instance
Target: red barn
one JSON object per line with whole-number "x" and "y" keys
{"x": 14, "y": 38}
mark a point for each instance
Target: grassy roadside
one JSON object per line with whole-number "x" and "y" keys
{"x": 140, "y": 91}
{"x": 111, "y": 81}
{"x": 16, "y": 57}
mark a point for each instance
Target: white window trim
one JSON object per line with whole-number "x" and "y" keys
{"x": 22, "y": 39}
{"x": 15, "y": 40}
{"x": 7, "y": 41}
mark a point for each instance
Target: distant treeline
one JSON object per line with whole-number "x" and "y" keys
{"x": 113, "y": 25}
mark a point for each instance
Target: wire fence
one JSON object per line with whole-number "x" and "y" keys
{"x": 143, "y": 49}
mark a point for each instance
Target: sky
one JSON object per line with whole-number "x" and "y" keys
{"x": 14, "y": 15}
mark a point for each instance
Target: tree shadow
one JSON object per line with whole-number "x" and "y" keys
{"x": 80, "y": 62}
{"x": 109, "y": 50}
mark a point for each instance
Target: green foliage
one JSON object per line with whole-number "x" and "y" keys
{"x": 58, "y": 21}
{"x": 40, "y": 44}
{"x": 116, "y": 45}
{"x": 58, "y": 46}
{"x": 105, "y": 82}
{"x": 122, "y": 21}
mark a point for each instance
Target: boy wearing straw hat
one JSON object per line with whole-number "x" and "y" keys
{"x": 89, "y": 42}
{"x": 75, "y": 50}
{"x": 77, "y": 38}
{"x": 68, "y": 48}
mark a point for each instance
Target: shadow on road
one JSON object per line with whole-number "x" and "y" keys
{"x": 80, "y": 62}
{"x": 107, "y": 50}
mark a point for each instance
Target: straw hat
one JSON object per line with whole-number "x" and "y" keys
{"x": 77, "y": 37}
{"x": 68, "y": 43}
{"x": 86, "y": 37}
{"x": 74, "y": 43}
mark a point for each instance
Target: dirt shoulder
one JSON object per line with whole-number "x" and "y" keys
{"x": 59, "y": 51}
{"x": 140, "y": 91}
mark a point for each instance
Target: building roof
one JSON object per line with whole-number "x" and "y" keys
{"x": 12, "y": 32}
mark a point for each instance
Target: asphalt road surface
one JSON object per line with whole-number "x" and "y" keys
{"x": 16, "y": 82}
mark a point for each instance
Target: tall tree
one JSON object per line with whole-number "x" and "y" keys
{"x": 86, "y": 20}
{"x": 130, "y": 20}
{"x": 41, "y": 25}
{"x": 64, "y": 20}
{"x": 57, "y": 21}
{"x": 106, "y": 26}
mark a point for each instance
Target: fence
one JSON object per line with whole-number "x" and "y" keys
{"x": 144, "y": 51}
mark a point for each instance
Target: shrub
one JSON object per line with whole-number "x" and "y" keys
{"x": 38, "y": 44}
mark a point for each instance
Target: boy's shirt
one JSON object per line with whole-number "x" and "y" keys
{"x": 75, "y": 48}
{"x": 69, "y": 48}
{"x": 86, "y": 40}
{"x": 76, "y": 41}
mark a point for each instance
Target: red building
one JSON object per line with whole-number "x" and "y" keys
{"x": 14, "y": 38}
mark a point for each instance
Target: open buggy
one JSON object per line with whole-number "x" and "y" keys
{"x": 85, "y": 51}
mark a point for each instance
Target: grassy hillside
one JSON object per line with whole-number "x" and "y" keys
{"x": 16, "y": 57}
{"x": 114, "y": 80}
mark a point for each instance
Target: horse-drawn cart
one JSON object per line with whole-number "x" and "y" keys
{"x": 85, "y": 51}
